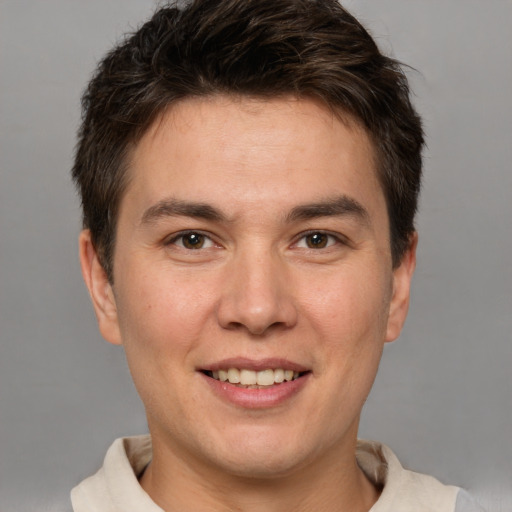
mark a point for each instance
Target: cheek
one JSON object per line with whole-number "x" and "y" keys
{"x": 350, "y": 319}
{"x": 162, "y": 323}
{"x": 347, "y": 305}
{"x": 159, "y": 313}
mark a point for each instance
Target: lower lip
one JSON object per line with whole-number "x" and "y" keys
{"x": 257, "y": 398}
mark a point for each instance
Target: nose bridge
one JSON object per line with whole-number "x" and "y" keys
{"x": 256, "y": 296}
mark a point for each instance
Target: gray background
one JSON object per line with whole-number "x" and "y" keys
{"x": 443, "y": 397}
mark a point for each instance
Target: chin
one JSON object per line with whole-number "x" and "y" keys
{"x": 262, "y": 454}
{"x": 262, "y": 465}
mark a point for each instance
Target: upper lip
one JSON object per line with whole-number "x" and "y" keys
{"x": 255, "y": 364}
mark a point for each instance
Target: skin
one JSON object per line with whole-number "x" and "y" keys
{"x": 257, "y": 288}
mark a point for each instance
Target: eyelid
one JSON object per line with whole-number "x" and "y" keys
{"x": 171, "y": 240}
{"x": 338, "y": 237}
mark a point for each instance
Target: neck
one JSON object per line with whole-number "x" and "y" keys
{"x": 334, "y": 483}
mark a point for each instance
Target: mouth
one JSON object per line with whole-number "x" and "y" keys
{"x": 252, "y": 379}
{"x": 256, "y": 384}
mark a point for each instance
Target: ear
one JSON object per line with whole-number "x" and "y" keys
{"x": 100, "y": 289}
{"x": 402, "y": 278}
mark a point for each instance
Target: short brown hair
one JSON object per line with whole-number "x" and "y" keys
{"x": 263, "y": 48}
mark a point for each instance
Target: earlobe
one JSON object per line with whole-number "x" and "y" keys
{"x": 402, "y": 278}
{"x": 100, "y": 289}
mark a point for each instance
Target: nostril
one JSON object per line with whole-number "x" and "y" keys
{"x": 256, "y": 303}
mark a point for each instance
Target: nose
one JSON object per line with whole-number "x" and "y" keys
{"x": 257, "y": 296}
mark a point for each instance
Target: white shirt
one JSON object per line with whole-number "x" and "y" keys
{"x": 115, "y": 487}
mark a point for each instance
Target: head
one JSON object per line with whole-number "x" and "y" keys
{"x": 249, "y": 174}
{"x": 262, "y": 49}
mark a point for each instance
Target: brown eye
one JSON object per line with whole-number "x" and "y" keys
{"x": 317, "y": 240}
{"x": 193, "y": 240}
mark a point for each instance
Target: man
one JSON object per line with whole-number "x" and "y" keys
{"x": 249, "y": 173}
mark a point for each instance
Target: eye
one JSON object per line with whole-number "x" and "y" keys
{"x": 192, "y": 240}
{"x": 317, "y": 240}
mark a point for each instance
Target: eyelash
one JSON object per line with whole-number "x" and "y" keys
{"x": 332, "y": 239}
{"x": 181, "y": 236}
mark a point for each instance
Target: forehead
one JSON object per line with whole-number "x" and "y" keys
{"x": 238, "y": 152}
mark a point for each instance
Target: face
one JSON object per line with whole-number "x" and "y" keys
{"x": 253, "y": 246}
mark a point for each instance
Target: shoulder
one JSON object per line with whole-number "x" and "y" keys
{"x": 115, "y": 487}
{"x": 466, "y": 503}
{"x": 403, "y": 490}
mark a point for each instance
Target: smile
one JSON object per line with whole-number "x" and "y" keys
{"x": 256, "y": 384}
{"x": 254, "y": 379}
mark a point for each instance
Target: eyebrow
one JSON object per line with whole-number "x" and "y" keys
{"x": 175, "y": 207}
{"x": 332, "y": 207}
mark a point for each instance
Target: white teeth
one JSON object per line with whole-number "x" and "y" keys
{"x": 247, "y": 377}
{"x": 279, "y": 376}
{"x": 234, "y": 375}
{"x": 265, "y": 378}
{"x": 252, "y": 378}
